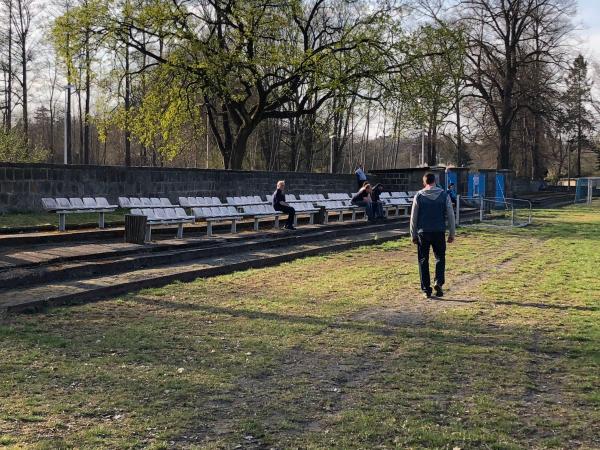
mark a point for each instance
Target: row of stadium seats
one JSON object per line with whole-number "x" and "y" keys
{"x": 211, "y": 209}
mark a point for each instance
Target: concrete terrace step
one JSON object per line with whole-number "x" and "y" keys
{"x": 95, "y": 234}
{"x": 118, "y": 258}
{"x": 33, "y": 255}
{"x": 97, "y": 288}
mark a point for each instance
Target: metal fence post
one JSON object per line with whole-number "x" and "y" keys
{"x": 512, "y": 216}
{"x": 457, "y": 210}
{"x": 481, "y": 209}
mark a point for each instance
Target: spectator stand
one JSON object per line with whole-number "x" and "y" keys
{"x": 75, "y": 205}
{"x": 162, "y": 217}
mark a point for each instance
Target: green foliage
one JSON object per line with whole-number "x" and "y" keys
{"x": 72, "y": 33}
{"x": 437, "y": 67}
{"x": 15, "y": 148}
{"x": 166, "y": 116}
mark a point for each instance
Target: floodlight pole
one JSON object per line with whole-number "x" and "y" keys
{"x": 457, "y": 209}
{"x": 589, "y": 192}
{"x": 423, "y": 147}
{"x": 67, "y": 125}
{"x": 331, "y": 153}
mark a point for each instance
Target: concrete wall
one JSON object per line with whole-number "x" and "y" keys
{"x": 23, "y": 185}
{"x": 399, "y": 180}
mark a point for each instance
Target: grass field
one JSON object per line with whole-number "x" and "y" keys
{"x": 338, "y": 351}
{"x": 15, "y": 220}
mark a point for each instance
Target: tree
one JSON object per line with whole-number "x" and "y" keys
{"x": 249, "y": 59}
{"x": 577, "y": 100}
{"x": 499, "y": 33}
{"x": 435, "y": 80}
{"x": 21, "y": 23}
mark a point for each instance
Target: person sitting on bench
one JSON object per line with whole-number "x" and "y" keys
{"x": 377, "y": 203}
{"x": 279, "y": 204}
{"x": 363, "y": 199}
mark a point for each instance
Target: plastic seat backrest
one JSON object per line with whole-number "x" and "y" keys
{"x": 90, "y": 202}
{"x": 63, "y": 203}
{"x": 160, "y": 213}
{"x": 155, "y": 201}
{"x": 183, "y": 201}
{"x": 181, "y": 213}
{"x": 49, "y": 203}
{"x": 170, "y": 213}
{"x": 231, "y": 211}
{"x": 134, "y": 201}
{"x": 164, "y": 201}
{"x": 76, "y": 202}
{"x": 148, "y": 212}
{"x": 102, "y": 202}
{"x": 215, "y": 201}
{"x": 145, "y": 201}
{"x": 124, "y": 202}
{"x": 136, "y": 212}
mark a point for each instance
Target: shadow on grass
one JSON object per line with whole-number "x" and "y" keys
{"x": 547, "y": 306}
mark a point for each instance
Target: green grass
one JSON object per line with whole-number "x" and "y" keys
{"x": 336, "y": 351}
{"x": 14, "y": 220}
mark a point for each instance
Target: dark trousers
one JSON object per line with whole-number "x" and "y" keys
{"x": 291, "y": 212}
{"x": 437, "y": 241}
{"x": 378, "y": 210}
{"x": 368, "y": 208}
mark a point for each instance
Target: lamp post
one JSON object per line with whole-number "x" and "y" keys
{"x": 67, "y": 126}
{"x": 331, "y": 153}
{"x": 423, "y": 147}
{"x": 422, "y": 140}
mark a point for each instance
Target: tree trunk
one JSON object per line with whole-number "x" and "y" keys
{"x": 81, "y": 156}
{"x": 86, "y": 128}
{"x": 25, "y": 88}
{"x": 504, "y": 149}
{"x": 9, "y": 62}
{"x": 459, "y": 142}
{"x": 127, "y": 134}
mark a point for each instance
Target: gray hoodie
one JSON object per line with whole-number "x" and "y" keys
{"x": 430, "y": 194}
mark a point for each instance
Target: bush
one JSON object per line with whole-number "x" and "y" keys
{"x": 14, "y": 148}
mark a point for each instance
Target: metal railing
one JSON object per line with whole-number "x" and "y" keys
{"x": 513, "y": 212}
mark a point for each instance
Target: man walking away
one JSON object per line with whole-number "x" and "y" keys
{"x": 361, "y": 176}
{"x": 430, "y": 210}
{"x": 279, "y": 204}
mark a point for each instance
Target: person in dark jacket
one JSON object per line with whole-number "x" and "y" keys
{"x": 430, "y": 210}
{"x": 377, "y": 203}
{"x": 452, "y": 193}
{"x": 279, "y": 204}
{"x": 363, "y": 199}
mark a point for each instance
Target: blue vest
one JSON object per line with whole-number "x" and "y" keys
{"x": 432, "y": 213}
